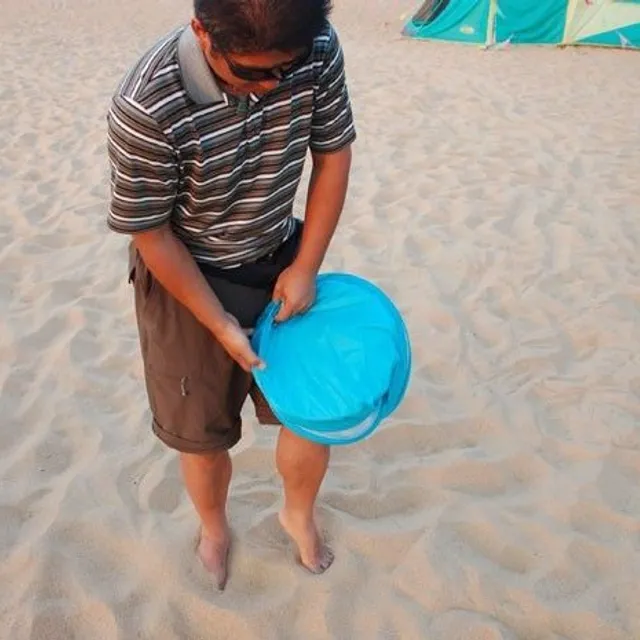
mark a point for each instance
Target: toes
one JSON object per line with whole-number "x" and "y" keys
{"x": 221, "y": 581}
{"x": 325, "y": 561}
{"x": 329, "y": 558}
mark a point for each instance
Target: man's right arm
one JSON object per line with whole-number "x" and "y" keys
{"x": 144, "y": 180}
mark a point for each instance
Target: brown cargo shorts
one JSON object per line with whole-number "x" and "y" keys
{"x": 196, "y": 391}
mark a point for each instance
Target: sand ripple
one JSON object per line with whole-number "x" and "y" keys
{"x": 495, "y": 196}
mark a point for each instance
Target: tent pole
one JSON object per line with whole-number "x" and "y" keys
{"x": 491, "y": 26}
{"x": 571, "y": 12}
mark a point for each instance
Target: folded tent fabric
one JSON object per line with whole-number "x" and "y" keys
{"x": 334, "y": 373}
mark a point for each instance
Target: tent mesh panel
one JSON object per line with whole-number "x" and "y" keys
{"x": 430, "y": 10}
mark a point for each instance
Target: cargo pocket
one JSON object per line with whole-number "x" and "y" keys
{"x": 181, "y": 400}
{"x": 180, "y": 405}
{"x": 197, "y": 409}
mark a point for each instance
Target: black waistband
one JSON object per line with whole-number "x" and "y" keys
{"x": 262, "y": 273}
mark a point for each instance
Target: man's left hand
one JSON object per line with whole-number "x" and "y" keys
{"x": 295, "y": 290}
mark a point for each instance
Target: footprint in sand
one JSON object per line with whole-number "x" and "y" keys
{"x": 17, "y": 521}
{"x": 600, "y": 523}
{"x": 56, "y": 622}
{"x": 161, "y": 493}
{"x": 596, "y": 561}
{"x": 379, "y": 505}
{"x": 565, "y": 582}
{"x": 494, "y": 477}
{"x": 618, "y": 482}
{"x": 420, "y": 439}
{"x": 53, "y": 623}
{"x": 55, "y": 454}
{"x": 486, "y": 540}
{"x": 43, "y": 336}
{"x": 468, "y": 625}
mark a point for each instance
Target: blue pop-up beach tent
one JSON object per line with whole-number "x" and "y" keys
{"x": 614, "y": 23}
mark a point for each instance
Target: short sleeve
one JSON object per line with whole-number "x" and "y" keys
{"x": 144, "y": 171}
{"x": 332, "y": 126}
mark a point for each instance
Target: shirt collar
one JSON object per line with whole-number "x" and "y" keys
{"x": 197, "y": 78}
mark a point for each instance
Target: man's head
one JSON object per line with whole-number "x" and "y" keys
{"x": 251, "y": 44}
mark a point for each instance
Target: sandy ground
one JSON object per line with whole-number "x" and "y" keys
{"x": 495, "y": 195}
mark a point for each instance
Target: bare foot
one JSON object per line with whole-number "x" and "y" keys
{"x": 314, "y": 555}
{"x": 214, "y": 555}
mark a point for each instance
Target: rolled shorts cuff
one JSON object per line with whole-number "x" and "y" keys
{"x": 183, "y": 445}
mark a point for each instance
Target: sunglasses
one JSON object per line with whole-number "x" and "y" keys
{"x": 257, "y": 74}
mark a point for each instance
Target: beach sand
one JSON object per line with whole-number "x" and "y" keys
{"x": 495, "y": 196}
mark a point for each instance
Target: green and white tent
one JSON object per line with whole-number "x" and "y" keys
{"x": 614, "y": 23}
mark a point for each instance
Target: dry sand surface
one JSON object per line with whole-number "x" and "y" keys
{"x": 495, "y": 195}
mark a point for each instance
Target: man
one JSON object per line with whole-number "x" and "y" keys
{"x": 208, "y": 135}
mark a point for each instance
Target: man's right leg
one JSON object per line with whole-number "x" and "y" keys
{"x": 196, "y": 393}
{"x": 206, "y": 478}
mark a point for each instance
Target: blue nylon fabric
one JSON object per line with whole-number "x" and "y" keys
{"x": 334, "y": 373}
{"x": 531, "y": 21}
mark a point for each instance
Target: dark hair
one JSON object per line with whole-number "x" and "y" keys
{"x": 251, "y": 26}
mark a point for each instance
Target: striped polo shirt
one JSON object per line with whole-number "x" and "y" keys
{"x": 222, "y": 170}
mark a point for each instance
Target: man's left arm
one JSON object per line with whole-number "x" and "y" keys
{"x": 332, "y": 134}
{"x": 325, "y": 201}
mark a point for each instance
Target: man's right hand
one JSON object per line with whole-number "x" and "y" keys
{"x": 237, "y": 344}
{"x": 174, "y": 267}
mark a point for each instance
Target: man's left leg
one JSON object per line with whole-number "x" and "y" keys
{"x": 302, "y": 465}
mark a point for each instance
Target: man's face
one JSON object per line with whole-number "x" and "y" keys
{"x": 243, "y": 74}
